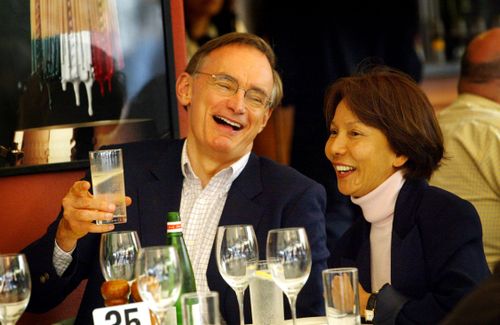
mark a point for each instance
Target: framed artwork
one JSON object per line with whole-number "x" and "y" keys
{"x": 79, "y": 74}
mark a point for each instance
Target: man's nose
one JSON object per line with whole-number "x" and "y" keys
{"x": 237, "y": 101}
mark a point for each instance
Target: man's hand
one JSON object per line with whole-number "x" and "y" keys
{"x": 80, "y": 210}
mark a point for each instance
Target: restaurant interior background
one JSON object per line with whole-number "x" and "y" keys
{"x": 45, "y": 134}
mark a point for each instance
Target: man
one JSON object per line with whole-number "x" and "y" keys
{"x": 471, "y": 130}
{"x": 229, "y": 89}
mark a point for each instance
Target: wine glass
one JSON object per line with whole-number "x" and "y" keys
{"x": 236, "y": 251}
{"x": 289, "y": 258}
{"x": 15, "y": 287}
{"x": 159, "y": 279}
{"x": 117, "y": 254}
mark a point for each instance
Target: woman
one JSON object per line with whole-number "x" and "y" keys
{"x": 418, "y": 246}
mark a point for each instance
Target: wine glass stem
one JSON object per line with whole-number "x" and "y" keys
{"x": 292, "y": 299}
{"x": 239, "y": 296}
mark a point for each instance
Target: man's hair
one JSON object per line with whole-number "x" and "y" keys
{"x": 244, "y": 39}
{"x": 389, "y": 100}
{"x": 483, "y": 72}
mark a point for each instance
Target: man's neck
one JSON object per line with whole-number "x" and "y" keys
{"x": 205, "y": 166}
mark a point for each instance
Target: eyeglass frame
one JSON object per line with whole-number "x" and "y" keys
{"x": 232, "y": 92}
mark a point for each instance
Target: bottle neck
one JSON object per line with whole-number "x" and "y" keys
{"x": 174, "y": 228}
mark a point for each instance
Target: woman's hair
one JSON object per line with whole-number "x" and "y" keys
{"x": 244, "y": 39}
{"x": 392, "y": 102}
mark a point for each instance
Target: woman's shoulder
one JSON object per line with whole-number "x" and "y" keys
{"x": 425, "y": 196}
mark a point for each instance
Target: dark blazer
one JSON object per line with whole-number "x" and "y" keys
{"x": 265, "y": 195}
{"x": 437, "y": 255}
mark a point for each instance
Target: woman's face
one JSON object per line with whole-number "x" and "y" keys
{"x": 360, "y": 154}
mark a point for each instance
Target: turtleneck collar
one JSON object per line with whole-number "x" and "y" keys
{"x": 378, "y": 205}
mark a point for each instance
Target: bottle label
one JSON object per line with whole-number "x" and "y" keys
{"x": 174, "y": 226}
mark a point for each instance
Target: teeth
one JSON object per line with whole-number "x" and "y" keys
{"x": 344, "y": 168}
{"x": 235, "y": 125}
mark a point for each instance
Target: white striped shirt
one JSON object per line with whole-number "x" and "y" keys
{"x": 200, "y": 211}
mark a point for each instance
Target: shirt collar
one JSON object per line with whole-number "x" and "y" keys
{"x": 235, "y": 169}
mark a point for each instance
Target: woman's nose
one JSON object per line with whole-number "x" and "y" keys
{"x": 335, "y": 146}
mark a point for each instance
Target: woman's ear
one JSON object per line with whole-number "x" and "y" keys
{"x": 400, "y": 161}
{"x": 183, "y": 88}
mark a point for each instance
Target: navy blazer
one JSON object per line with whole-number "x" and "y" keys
{"x": 437, "y": 254}
{"x": 265, "y": 195}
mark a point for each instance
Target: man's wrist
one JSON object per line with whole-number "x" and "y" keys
{"x": 65, "y": 238}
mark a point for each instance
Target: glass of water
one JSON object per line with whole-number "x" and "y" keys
{"x": 15, "y": 287}
{"x": 266, "y": 298}
{"x": 106, "y": 169}
{"x": 340, "y": 287}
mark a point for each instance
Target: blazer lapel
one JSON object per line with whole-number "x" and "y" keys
{"x": 240, "y": 207}
{"x": 161, "y": 195}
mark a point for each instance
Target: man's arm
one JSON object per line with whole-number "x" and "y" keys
{"x": 50, "y": 285}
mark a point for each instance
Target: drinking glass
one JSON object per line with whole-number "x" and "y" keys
{"x": 159, "y": 279}
{"x": 289, "y": 258}
{"x": 236, "y": 252}
{"x": 266, "y": 298}
{"x": 106, "y": 170}
{"x": 15, "y": 287}
{"x": 340, "y": 286}
{"x": 117, "y": 254}
{"x": 200, "y": 308}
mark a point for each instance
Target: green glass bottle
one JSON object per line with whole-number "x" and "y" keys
{"x": 175, "y": 239}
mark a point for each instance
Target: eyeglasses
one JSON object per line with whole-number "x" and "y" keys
{"x": 228, "y": 86}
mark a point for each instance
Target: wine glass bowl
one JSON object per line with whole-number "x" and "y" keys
{"x": 289, "y": 259}
{"x": 159, "y": 278}
{"x": 118, "y": 253}
{"x": 15, "y": 287}
{"x": 236, "y": 252}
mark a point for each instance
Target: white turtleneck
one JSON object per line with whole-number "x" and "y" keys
{"x": 378, "y": 209}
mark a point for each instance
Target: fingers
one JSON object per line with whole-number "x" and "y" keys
{"x": 128, "y": 200}
{"x": 343, "y": 293}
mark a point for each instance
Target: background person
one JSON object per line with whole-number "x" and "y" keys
{"x": 229, "y": 90}
{"x": 208, "y": 19}
{"x": 471, "y": 132}
{"x": 423, "y": 242}
{"x": 482, "y": 306}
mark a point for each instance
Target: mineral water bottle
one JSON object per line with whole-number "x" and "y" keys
{"x": 175, "y": 239}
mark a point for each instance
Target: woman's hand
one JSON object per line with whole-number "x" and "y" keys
{"x": 363, "y": 300}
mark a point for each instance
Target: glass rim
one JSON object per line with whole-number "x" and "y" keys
{"x": 234, "y": 226}
{"x": 119, "y": 232}
{"x": 286, "y": 229}
{"x": 200, "y": 294}
{"x": 340, "y": 269}
{"x": 105, "y": 150}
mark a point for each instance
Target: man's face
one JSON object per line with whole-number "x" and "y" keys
{"x": 223, "y": 126}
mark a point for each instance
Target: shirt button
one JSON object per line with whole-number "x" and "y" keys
{"x": 44, "y": 277}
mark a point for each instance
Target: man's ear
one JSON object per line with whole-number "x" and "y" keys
{"x": 183, "y": 88}
{"x": 265, "y": 118}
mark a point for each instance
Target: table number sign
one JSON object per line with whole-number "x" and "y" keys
{"x": 129, "y": 314}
